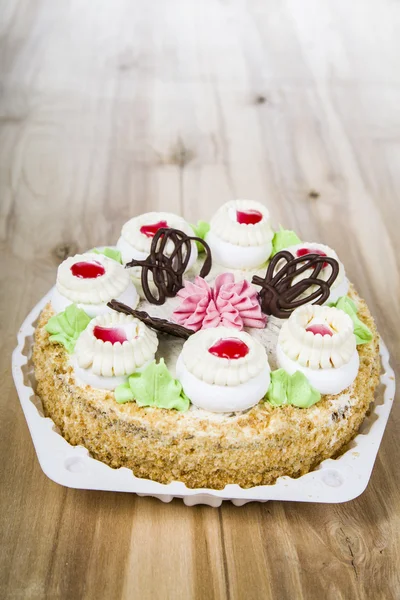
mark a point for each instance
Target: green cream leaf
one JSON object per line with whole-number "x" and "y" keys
{"x": 283, "y": 239}
{"x": 277, "y": 391}
{"x": 361, "y": 331}
{"x": 300, "y": 392}
{"x": 201, "y": 230}
{"x": 154, "y": 386}
{"x": 110, "y": 253}
{"x": 291, "y": 389}
{"x": 123, "y": 393}
{"x": 60, "y": 338}
{"x": 66, "y": 327}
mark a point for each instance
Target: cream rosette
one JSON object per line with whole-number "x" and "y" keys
{"x": 240, "y": 235}
{"x": 221, "y": 384}
{"x": 319, "y": 341}
{"x": 105, "y": 364}
{"x": 137, "y": 235}
{"x": 340, "y": 286}
{"x": 91, "y": 280}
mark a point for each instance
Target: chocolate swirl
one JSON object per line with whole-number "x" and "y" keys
{"x": 160, "y": 325}
{"x": 279, "y": 296}
{"x": 168, "y": 269}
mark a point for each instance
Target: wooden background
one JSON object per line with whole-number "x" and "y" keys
{"x": 109, "y": 108}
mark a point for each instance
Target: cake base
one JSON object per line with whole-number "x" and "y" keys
{"x": 203, "y": 450}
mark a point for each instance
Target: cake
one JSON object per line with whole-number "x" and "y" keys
{"x": 210, "y": 354}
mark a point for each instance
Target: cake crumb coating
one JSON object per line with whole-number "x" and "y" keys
{"x": 251, "y": 448}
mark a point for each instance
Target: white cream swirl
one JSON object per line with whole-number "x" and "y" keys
{"x": 94, "y": 290}
{"x": 222, "y": 371}
{"x": 135, "y": 244}
{"x": 327, "y": 381}
{"x": 316, "y": 351}
{"x": 223, "y": 398}
{"x": 116, "y": 359}
{"x": 225, "y": 225}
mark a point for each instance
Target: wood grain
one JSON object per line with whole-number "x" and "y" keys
{"x": 108, "y": 109}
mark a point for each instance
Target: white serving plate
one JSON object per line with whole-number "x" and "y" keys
{"x": 333, "y": 481}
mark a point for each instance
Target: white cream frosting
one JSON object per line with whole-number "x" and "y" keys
{"x": 340, "y": 286}
{"x": 116, "y": 360}
{"x": 92, "y": 291}
{"x": 238, "y": 245}
{"x": 136, "y": 245}
{"x": 330, "y": 362}
{"x": 314, "y": 350}
{"x": 326, "y": 381}
{"x": 87, "y": 377}
{"x": 128, "y": 252}
{"x": 225, "y": 225}
{"x": 337, "y": 291}
{"x": 223, "y": 398}
{"x": 222, "y": 371}
{"x": 237, "y": 257}
{"x": 130, "y": 297}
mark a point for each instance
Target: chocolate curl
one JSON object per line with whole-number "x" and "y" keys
{"x": 167, "y": 270}
{"x": 280, "y": 297}
{"x": 160, "y": 325}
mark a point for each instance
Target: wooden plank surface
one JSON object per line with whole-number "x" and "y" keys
{"x": 110, "y": 108}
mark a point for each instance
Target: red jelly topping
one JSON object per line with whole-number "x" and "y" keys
{"x": 151, "y": 230}
{"x": 248, "y": 217}
{"x": 109, "y": 334}
{"x": 229, "y": 348}
{"x": 321, "y": 329}
{"x": 305, "y": 251}
{"x": 87, "y": 270}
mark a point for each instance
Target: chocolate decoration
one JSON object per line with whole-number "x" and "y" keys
{"x": 160, "y": 325}
{"x": 167, "y": 270}
{"x": 278, "y": 294}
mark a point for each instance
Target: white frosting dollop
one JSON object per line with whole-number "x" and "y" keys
{"x": 340, "y": 286}
{"x": 222, "y": 371}
{"x": 223, "y": 398}
{"x": 237, "y": 257}
{"x": 239, "y": 245}
{"x": 130, "y": 297}
{"x": 136, "y": 245}
{"x": 337, "y": 291}
{"x": 330, "y": 362}
{"x": 326, "y": 381}
{"x": 92, "y": 294}
{"x": 119, "y": 359}
{"x": 87, "y": 377}
{"x": 315, "y": 350}
{"x": 223, "y": 384}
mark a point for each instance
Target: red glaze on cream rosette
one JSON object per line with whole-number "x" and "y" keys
{"x": 138, "y": 233}
{"x": 240, "y": 235}
{"x": 319, "y": 341}
{"x": 112, "y": 347}
{"x": 340, "y": 286}
{"x": 91, "y": 280}
{"x": 227, "y": 303}
{"x": 223, "y": 370}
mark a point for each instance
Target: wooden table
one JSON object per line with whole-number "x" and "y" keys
{"x": 110, "y": 108}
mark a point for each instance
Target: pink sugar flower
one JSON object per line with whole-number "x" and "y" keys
{"x": 229, "y": 304}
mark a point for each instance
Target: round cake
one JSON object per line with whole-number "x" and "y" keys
{"x": 215, "y": 354}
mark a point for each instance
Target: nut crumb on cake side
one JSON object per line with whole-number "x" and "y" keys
{"x": 252, "y": 448}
